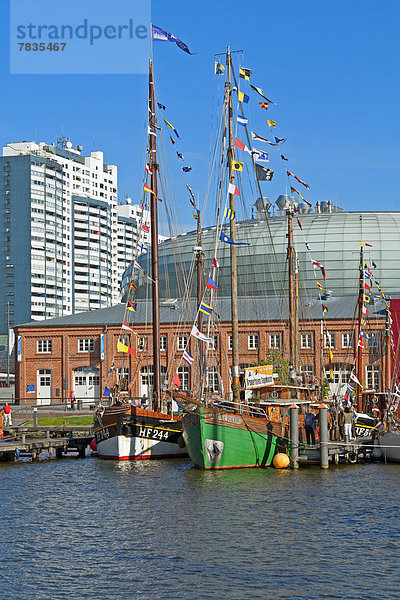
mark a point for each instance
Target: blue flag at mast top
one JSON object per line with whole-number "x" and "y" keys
{"x": 160, "y": 35}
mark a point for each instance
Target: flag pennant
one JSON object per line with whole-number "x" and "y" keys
{"x": 279, "y": 140}
{"x": 172, "y": 127}
{"x": 259, "y": 155}
{"x": 264, "y": 105}
{"x": 292, "y": 189}
{"x": 284, "y": 157}
{"x": 299, "y": 224}
{"x": 354, "y": 378}
{"x": 316, "y": 264}
{"x": 261, "y": 93}
{"x": 218, "y": 68}
{"x": 365, "y": 310}
{"x": 137, "y": 266}
{"x": 229, "y": 240}
{"x": 260, "y": 138}
{"x": 229, "y": 214}
{"x": 320, "y": 287}
{"x": 367, "y": 287}
{"x": 160, "y": 106}
{"x": 298, "y": 179}
{"x": 200, "y": 336}
{"x": 263, "y": 174}
{"x": 132, "y": 306}
{"x": 243, "y": 97}
{"x": 176, "y": 380}
{"x": 211, "y": 284}
{"x": 362, "y": 243}
{"x": 172, "y": 139}
{"x": 360, "y": 344}
{"x": 179, "y": 155}
{"x": 205, "y": 308}
{"x": 215, "y": 263}
{"x": 373, "y": 265}
{"x": 237, "y": 166}
{"x": 112, "y": 367}
{"x": 307, "y": 246}
{"x": 145, "y": 227}
{"x": 160, "y": 35}
{"x": 364, "y": 335}
{"x": 245, "y": 73}
{"x": 271, "y": 123}
{"x": 186, "y": 169}
{"x": 195, "y": 215}
{"x": 367, "y": 298}
{"x": 242, "y": 120}
{"x": 126, "y": 349}
{"x": 240, "y": 145}
{"x": 132, "y": 286}
{"x": 128, "y": 328}
{"x": 148, "y": 189}
{"x": 186, "y": 356}
{"x": 106, "y": 392}
{"x": 324, "y": 308}
{"x": 232, "y": 189}
{"x": 148, "y": 169}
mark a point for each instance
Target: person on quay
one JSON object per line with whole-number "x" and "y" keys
{"x": 341, "y": 422}
{"x": 309, "y": 421}
{"x": 7, "y": 415}
{"x": 348, "y": 418}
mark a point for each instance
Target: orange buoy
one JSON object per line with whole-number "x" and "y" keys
{"x": 281, "y": 461}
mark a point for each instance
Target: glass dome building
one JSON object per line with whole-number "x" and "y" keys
{"x": 332, "y": 236}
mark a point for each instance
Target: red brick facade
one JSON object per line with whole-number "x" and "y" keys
{"x": 66, "y": 356}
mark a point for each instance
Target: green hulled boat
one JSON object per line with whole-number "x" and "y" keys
{"x": 220, "y": 439}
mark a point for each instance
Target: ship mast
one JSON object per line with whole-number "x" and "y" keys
{"x": 234, "y": 293}
{"x": 154, "y": 246}
{"x": 388, "y": 351}
{"x": 358, "y": 348}
{"x": 199, "y": 266}
{"x": 292, "y": 304}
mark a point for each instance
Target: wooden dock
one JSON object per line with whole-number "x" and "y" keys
{"x": 30, "y": 441}
{"x": 356, "y": 451}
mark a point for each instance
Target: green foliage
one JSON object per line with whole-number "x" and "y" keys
{"x": 56, "y": 421}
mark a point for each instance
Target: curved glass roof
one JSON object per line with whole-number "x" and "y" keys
{"x": 333, "y": 239}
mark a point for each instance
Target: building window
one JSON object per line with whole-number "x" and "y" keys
{"x": 373, "y": 373}
{"x": 143, "y": 343}
{"x": 147, "y": 376}
{"x": 93, "y": 380}
{"x": 329, "y": 340}
{"x": 307, "y": 370}
{"x": 373, "y": 340}
{"x": 86, "y": 345}
{"x": 347, "y": 340}
{"x": 182, "y": 342}
{"x": 275, "y": 341}
{"x": 123, "y": 378}
{"x": 183, "y": 373}
{"x": 253, "y": 342}
{"x": 163, "y": 343}
{"x": 306, "y": 341}
{"x": 230, "y": 341}
{"x": 212, "y": 380}
{"x": 44, "y": 346}
{"x": 340, "y": 372}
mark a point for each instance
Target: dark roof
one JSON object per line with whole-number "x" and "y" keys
{"x": 249, "y": 309}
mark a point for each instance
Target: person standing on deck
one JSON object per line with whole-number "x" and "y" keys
{"x": 309, "y": 425}
{"x": 7, "y": 415}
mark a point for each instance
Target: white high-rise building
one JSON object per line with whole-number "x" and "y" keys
{"x": 59, "y": 251}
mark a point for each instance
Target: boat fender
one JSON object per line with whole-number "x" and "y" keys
{"x": 352, "y": 457}
{"x": 181, "y": 442}
{"x": 376, "y": 453}
{"x": 281, "y": 461}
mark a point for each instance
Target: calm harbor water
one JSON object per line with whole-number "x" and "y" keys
{"x": 90, "y": 529}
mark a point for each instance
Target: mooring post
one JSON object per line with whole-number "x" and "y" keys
{"x": 323, "y": 435}
{"x": 294, "y": 436}
{"x": 34, "y": 416}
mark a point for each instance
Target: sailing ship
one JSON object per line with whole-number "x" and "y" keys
{"x": 124, "y": 431}
{"x": 222, "y": 433}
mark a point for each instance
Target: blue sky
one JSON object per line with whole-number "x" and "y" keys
{"x": 331, "y": 67}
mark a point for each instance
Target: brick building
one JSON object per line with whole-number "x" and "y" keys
{"x": 76, "y": 352}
